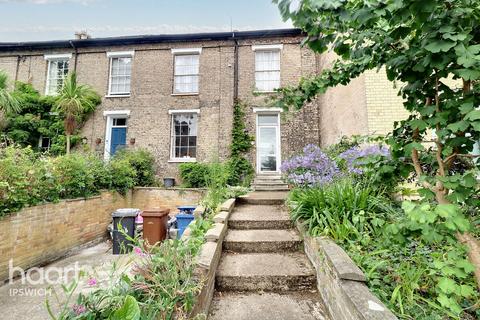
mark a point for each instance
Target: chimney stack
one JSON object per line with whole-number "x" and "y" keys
{"x": 81, "y": 35}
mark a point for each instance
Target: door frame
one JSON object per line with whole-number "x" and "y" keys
{"x": 110, "y": 115}
{"x": 274, "y": 112}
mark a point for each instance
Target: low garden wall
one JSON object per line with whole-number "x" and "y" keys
{"x": 341, "y": 283}
{"x": 40, "y": 234}
{"x": 146, "y": 197}
{"x": 37, "y": 235}
{"x": 209, "y": 258}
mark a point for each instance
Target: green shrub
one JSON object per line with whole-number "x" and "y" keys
{"x": 194, "y": 175}
{"x": 17, "y": 179}
{"x": 75, "y": 176}
{"x": 143, "y": 162}
{"x": 123, "y": 175}
{"x": 28, "y": 178}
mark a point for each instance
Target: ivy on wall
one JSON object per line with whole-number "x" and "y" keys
{"x": 241, "y": 169}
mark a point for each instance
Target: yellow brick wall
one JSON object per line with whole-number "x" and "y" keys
{"x": 37, "y": 235}
{"x": 384, "y": 106}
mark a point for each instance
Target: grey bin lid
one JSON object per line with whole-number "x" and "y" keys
{"x": 125, "y": 212}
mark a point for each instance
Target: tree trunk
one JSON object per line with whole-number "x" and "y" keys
{"x": 68, "y": 144}
{"x": 467, "y": 239}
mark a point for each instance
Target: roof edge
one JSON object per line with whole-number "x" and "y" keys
{"x": 148, "y": 39}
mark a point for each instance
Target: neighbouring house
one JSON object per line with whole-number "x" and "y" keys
{"x": 174, "y": 94}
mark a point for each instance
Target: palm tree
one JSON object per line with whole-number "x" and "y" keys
{"x": 8, "y": 102}
{"x": 73, "y": 102}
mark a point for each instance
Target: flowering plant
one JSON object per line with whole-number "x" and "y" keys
{"x": 358, "y": 157}
{"x": 311, "y": 168}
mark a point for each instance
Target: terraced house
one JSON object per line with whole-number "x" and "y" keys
{"x": 174, "y": 94}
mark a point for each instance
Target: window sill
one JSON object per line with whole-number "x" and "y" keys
{"x": 185, "y": 94}
{"x": 117, "y": 96}
{"x": 180, "y": 160}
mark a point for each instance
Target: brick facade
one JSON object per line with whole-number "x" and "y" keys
{"x": 341, "y": 111}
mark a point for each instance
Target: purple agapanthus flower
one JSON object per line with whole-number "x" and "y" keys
{"x": 356, "y": 156}
{"x": 311, "y": 168}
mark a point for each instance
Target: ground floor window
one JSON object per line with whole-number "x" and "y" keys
{"x": 184, "y": 135}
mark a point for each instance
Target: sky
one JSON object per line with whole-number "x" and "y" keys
{"x": 36, "y": 20}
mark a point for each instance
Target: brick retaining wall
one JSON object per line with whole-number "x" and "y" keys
{"x": 38, "y": 235}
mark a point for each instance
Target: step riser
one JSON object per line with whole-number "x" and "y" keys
{"x": 262, "y": 247}
{"x": 254, "y": 225}
{"x": 260, "y": 201}
{"x": 270, "y": 188}
{"x": 266, "y": 283}
{"x": 273, "y": 184}
{"x": 268, "y": 181}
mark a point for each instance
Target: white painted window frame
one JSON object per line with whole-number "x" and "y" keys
{"x": 54, "y": 57}
{"x": 186, "y": 52}
{"x": 115, "y": 55}
{"x": 172, "y": 134}
{"x": 109, "y": 116}
{"x": 268, "y": 111}
{"x": 268, "y": 47}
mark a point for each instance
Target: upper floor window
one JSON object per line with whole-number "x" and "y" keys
{"x": 184, "y": 135}
{"x": 186, "y": 70}
{"x": 57, "y": 71}
{"x": 267, "y": 67}
{"x": 120, "y": 73}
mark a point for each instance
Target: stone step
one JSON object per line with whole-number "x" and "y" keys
{"x": 254, "y": 241}
{"x": 268, "y": 182}
{"x": 268, "y": 177}
{"x": 264, "y": 197}
{"x": 259, "y": 217}
{"x": 267, "y": 306}
{"x": 271, "y": 187}
{"x": 265, "y": 272}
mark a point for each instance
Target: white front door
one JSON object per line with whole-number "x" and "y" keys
{"x": 268, "y": 142}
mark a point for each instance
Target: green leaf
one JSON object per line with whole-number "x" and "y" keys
{"x": 476, "y": 125}
{"x": 466, "y": 291}
{"x": 467, "y": 74}
{"x": 466, "y": 107}
{"x": 458, "y": 126}
{"x": 473, "y": 115}
{"x": 446, "y": 210}
{"x": 437, "y": 46}
{"x": 465, "y": 265}
{"x": 129, "y": 310}
{"x": 467, "y": 56}
{"x": 446, "y": 285}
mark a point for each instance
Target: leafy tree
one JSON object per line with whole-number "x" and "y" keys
{"x": 421, "y": 44}
{"x": 35, "y": 120}
{"x": 8, "y": 102}
{"x": 74, "y": 101}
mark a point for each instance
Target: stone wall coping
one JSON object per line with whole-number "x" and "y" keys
{"x": 208, "y": 261}
{"x": 228, "y": 205}
{"x": 367, "y": 305}
{"x": 343, "y": 265}
{"x": 221, "y": 217}
{"x": 353, "y": 291}
{"x": 217, "y": 233}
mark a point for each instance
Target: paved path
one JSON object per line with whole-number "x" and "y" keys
{"x": 263, "y": 274}
{"x": 27, "y": 302}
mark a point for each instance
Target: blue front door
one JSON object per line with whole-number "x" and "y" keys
{"x": 119, "y": 139}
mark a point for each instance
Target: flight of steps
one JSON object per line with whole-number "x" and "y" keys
{"x": 263, "y": 273}
{"x": 269, "y": 182}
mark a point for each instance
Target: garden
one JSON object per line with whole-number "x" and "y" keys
{"x": 407, "y": 249}
{"x": 405, "y": 207}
